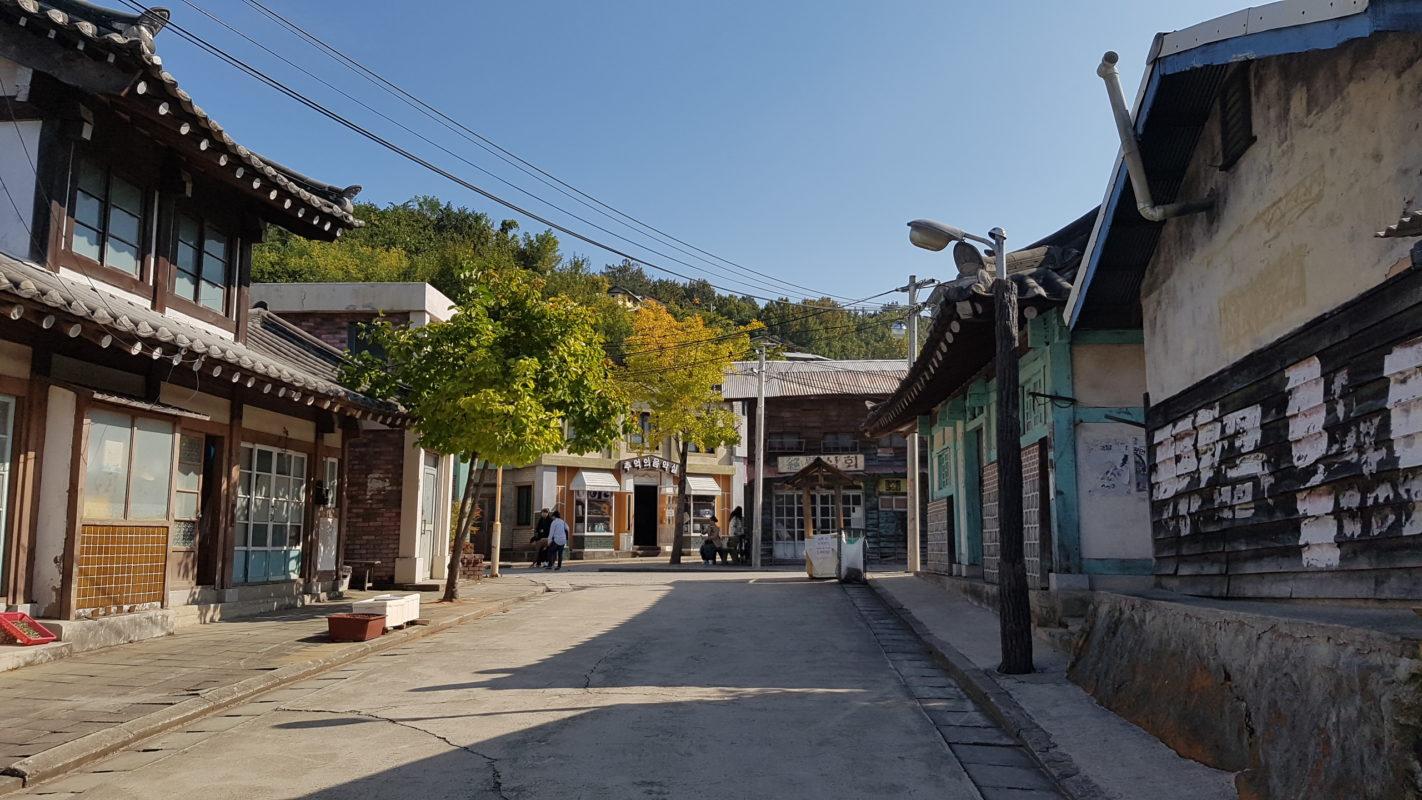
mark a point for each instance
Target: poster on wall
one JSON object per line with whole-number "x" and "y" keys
{"x": 1114, "y": 464}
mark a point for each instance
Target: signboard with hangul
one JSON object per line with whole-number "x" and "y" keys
{"x": 847, "y": 462}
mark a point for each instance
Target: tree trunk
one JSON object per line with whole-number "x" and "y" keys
{"x": 677, "y": 537}
{"x": 1014, "y": 612}
{"x": 467, "y": 508}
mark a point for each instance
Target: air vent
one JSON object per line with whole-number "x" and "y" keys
{"x": 1236, "y": 116}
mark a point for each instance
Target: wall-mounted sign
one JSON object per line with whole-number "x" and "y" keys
{"x": 893, "y": 486}
{"x": 848, "y": 462}
{"x": 650, "y": 462}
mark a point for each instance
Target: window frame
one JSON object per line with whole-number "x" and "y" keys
{"x": 125, "y": 518}
{"x": 774, "y": 446}
{"x": 66, "y": 256}
{"x": 523, "y": 504}
{"x": 193, "y": 305}
{"x": 849, "y": 443}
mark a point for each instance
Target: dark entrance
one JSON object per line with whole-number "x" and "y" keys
{"x": 644, "y": 522}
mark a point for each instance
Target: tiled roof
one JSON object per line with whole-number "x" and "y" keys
{"x": 277, "y": 357}
{"x": 308, "y": 205}
{"x": 962, "y": 339}
{"x": 869, "y": 378}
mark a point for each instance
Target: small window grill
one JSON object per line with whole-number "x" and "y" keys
{"x": 1236, "y": 113}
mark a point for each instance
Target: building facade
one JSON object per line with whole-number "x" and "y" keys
{"x": 816, "y": 409}
{"x": 1280, "y": 325}
{"x": 1085, "y": 515}
{"x": 400, "y": 499}
{"x": 163, "y": 446}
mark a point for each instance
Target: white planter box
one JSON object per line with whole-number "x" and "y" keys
{"x": 398, "y": 609}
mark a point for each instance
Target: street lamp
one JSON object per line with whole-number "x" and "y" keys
{"x": 1014, "y": 612}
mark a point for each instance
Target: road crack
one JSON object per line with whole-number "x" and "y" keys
{"x": 496, "y": 775}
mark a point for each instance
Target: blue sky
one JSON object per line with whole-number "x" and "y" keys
{"x": 792, "y": 136}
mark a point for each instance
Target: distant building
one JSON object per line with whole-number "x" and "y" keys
{"x": 816, "y": 408}
{"x": 400, "y": 496}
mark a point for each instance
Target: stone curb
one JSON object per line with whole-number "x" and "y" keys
{"x": 73, "y": 754}
{"x": 998, "y": 703}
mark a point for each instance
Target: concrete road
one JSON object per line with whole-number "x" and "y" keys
{"x": 660, "y": 685}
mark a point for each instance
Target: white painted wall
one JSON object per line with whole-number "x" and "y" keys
{"x": 388, "y": 297}
{"x": 1113, "y": 491}
{"x": 1109, "y": 375}
{"x": 1292, "y": 234}
{"x": 14, "y": 360}
{"x": 218, "y": 409}
{"x": 53, "y": 493}
{"x": 260, "y": 419}
{"x": 18, "y": 174}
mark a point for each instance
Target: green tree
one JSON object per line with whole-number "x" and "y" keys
{"x": 675, "y": 368}
{"x": 497, "y": 382}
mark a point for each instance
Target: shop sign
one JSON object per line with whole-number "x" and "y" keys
{"x": 650, "y": 462}
{"x": 893, "y": 486}
{"x": 848, "y": 462}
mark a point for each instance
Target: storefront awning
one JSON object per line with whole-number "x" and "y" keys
{"x": 702, "y": 484}
{"x": 596, "y": 480}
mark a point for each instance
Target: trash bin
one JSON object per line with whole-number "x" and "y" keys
{"x": 851, "y": 558}
{"x": 343, "y": 582}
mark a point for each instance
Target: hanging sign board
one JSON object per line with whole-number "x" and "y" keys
{"x": 847, "y": 462}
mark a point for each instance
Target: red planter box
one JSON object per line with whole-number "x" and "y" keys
{"x": 22, "y": 630}
{"x": 355, "y": 627}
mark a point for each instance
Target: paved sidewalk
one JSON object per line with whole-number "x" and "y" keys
{"x": 60, "y": 714}
{"x": 1093, "y": 752}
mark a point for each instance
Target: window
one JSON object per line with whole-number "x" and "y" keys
{"x": 201, "y": 255}
{"x": 893, "y": 440}
{"x": 594, "y": 513}
{"x": 358, "y": 340}
{"x": 893, "y": 502}
{"x": 643, "y": 435}
{"x": 330, "y": 483}
{"x": 108, "y": 217}
{"x": 839, "y": 443}
{"x": 271, "y": 510}
{"x": 784, "y": 443}
{"x": 187, "y": 489}
{"x": 942, "y": 468}
{"x": 827, "y": 515}
{"x": 1236, "y": 113}
{"x": 128, "y": 467}
{"x": 788, "y": 517}
{"x": 523, "y": 505}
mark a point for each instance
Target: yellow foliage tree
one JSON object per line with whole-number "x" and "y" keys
{"x": 675, "y": 369}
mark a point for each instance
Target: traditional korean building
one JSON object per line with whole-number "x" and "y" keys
{"x": 1279, "y": 312}
{"x": 815, "y": 408}
{"x": 164, "y": 448}
{"x": 1085, "y": 517}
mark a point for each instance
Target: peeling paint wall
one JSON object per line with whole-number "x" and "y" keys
{"x": 1291, "y": 234}
{"x": 1298, "y": 473}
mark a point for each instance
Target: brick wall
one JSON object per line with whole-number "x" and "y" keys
{"x": 373, "y": 497}
{"x": 333, "y": 328}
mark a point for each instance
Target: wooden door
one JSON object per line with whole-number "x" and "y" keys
{"x": 184, "y": 536}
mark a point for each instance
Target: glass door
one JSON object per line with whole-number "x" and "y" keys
{"x": 271, "y": 510}
{"x": 429, "y": 486}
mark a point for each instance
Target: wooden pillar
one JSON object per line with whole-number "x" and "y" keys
{"x": 70, "y": 573}
{"x": 839, "y": 506}
{"x": 231, "y": 479}
{"x": 1014, "y": 612}
{"x": 809, "y": 514}
{"x": 25, "y": 515}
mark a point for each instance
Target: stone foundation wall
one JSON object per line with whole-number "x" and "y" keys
{"x": 1298, "y": 708}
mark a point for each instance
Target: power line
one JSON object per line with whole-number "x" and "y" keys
{"x": 423, "y": 162}
{"x": 758, "y": 285}
{"x": 528, "y": 168}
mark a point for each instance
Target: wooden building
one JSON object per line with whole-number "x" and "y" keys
{"x": 162, "y": 445}
{"x": 1282, "y": 325}
{"x": 815, "y": 408}
{"x": 1085, "y": 518}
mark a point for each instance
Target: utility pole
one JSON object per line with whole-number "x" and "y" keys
{"x": 915, "y": 561}
{"x": 757, "y": 513}
{"x": 1014, "y": 612}
{"x": 496, "y": 533}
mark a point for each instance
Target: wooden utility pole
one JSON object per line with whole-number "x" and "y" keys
{"x": 1014, "y": 610}
{"x": 496, "y": 536}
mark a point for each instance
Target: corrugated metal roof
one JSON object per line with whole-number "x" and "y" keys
{"x": 861, "y": 377}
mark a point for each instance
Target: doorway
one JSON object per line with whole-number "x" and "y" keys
{"x": 429, "y": 494}
{"x": 644, "y": 521}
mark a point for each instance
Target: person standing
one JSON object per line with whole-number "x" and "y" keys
{"x": 557, "y": 540}
{"x": 718, "y": 542}
{"x": 740, "y": 546}
{"x": 540, "y": 537}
